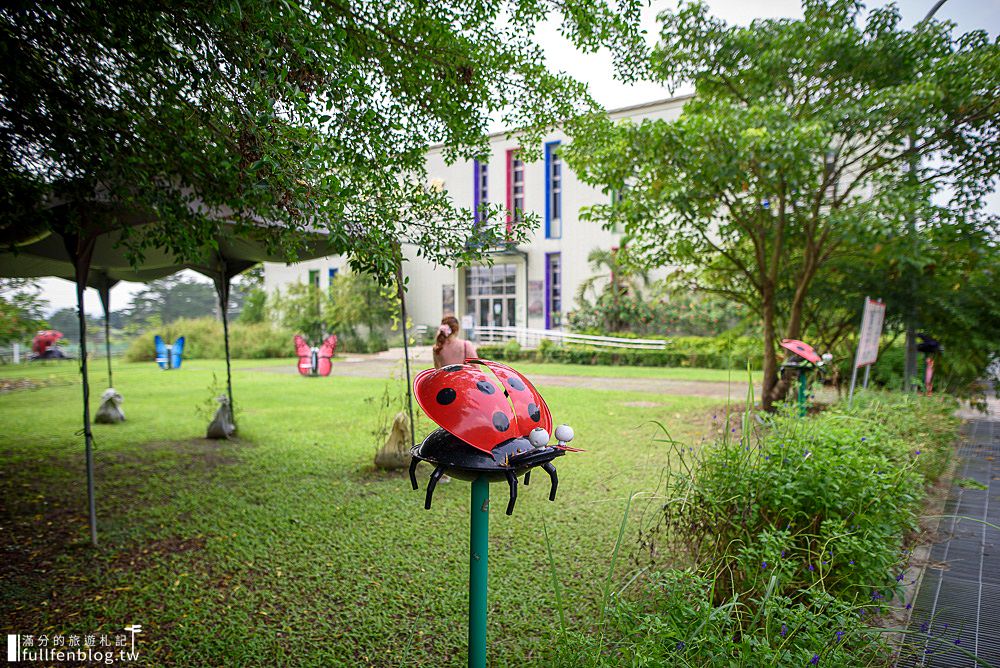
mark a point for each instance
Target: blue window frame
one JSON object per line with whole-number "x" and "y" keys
{"x": 553, "y": 191}
{"x": 553, "y": 290}
{"x": 480, "y": 190}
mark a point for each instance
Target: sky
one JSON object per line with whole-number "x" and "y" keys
{"x": 597, "y": 71}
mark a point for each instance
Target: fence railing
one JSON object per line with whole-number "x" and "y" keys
{"x": 530, "y": 338}
{"x": 20, "y": 353}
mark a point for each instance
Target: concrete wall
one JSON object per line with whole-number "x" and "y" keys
{"x": 427, "y": 282}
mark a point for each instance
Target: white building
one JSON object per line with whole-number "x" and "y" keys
{"x": 530, "y": 285}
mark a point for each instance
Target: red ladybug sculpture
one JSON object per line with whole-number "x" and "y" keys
{"x": 494, "y": 424}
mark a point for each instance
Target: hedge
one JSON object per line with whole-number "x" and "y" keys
{"x": 689, "y": 351}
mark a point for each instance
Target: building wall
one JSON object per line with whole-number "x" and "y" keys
{"x": 428, "y": 283}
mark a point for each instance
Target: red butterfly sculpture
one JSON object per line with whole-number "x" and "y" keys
{"x": 315, "y": 361}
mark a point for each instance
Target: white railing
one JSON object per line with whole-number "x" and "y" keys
{"x": 530, "y": 338}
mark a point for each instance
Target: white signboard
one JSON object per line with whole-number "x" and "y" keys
{"x": 871, "y": 333}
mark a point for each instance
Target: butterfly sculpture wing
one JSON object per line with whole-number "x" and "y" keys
{"x": 466, "y": 401}
{"x": 304, "y": 353}
{"x": 325, "y": 362}
{"x": 176, "y": 353}
{"x": 803, "y": 350}
{"x": 162, "y": 355}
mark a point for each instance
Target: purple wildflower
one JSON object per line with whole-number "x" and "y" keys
{"x": 782, "y": 554}
{"x": 863, "y": 439}
{"x": 763, "y": 565}
{"x": 899, "y": 578}
{"x": 815, "y": 660}
{"x": 909, "y": 605}
{"x": 680, "y": 646}
{"x": 811, "y": 567}
{"x": 784, "y": 630}
{"x": 924, "y": 627}
{"x": 840, "y": 636}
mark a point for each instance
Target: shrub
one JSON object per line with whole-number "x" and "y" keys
{"x": 203, "y": 340}
{"x": 713, "y": 353}
{"x": 781, "y": 541}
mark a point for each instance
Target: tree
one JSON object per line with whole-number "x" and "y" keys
{"x": 796, "y": 145}
{"x": 958, "y": 301}
{"x": 613, "y": 296}
{"x": 66, "y": 321}
{"x": 21, "y": 309}
{"x": 170, "y": 299}
{"x": 357, "y": 299}
{"x": 304, "y": 114}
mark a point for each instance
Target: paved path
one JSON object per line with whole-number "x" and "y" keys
{"x": 959, "y": 597}
{"x": 382, "y": 365}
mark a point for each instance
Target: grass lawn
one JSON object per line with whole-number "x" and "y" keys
{"x": 285, "y": 547}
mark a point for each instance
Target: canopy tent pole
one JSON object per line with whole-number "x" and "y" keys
{"x": 406, "y": 344}
{"x": 80, "y": 251}
{"x": 222, "y": 284}
{"x": 104, "y": 289}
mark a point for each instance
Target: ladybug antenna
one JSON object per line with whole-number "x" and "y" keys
{"x": 431, "y": 484}
{"x": 512, "y": 481}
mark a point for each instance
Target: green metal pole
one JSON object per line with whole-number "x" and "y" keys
{"x": 479, "y": 531}
{"x": 802, "y": 391}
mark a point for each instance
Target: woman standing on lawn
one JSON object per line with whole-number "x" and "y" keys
{"x": 449, "y": 347}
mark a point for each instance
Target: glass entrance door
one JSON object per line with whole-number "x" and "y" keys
{"x": 490, "y": 295}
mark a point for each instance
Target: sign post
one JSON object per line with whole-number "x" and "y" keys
{"x": 868, "y": 340}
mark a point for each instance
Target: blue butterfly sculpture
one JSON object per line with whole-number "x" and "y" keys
{"x": 169, "y": 356}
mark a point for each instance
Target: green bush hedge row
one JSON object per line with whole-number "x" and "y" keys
{"x": 782, "y": 544}
{"x": 203, "y": 340}
{"x": 688, "y": 351}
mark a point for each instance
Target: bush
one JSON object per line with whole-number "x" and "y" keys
{"x": 203, "y": 340}
{"x": 691, "y": 351}
{"x": 781, "y": 541}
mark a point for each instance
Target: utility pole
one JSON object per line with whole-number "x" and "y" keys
{"x": 910, "y": 364}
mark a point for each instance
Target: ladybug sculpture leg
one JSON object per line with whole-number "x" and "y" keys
{"x": 527, "y": 477}
{"x": 551, "y": 470}
{"x": 413, "y": 471}
{"x": 512, "y": 481}
{"x": 431, "y": 484}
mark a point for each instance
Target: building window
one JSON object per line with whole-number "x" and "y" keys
{"x": 480, "y": 180}
{"x": 490, "y": 295}
{"x": 515, "y": 188}
{"x": 553, "y": 191}
{"x": 553, "y": 290}
{"x": 314, "y": 277}
{"x": 332, "y": 273}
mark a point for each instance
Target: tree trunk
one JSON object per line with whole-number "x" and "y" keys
{"x": 770, "y": 358}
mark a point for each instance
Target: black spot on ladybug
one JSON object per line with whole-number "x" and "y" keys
{"x": 452, "y": 367}
{"x": 516, "y": 383}
{"x": 500, "y": 421}
{"x": 534, "y": 413}
{"x": 446, "y": 396}
{"x": 486, "y": 387}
